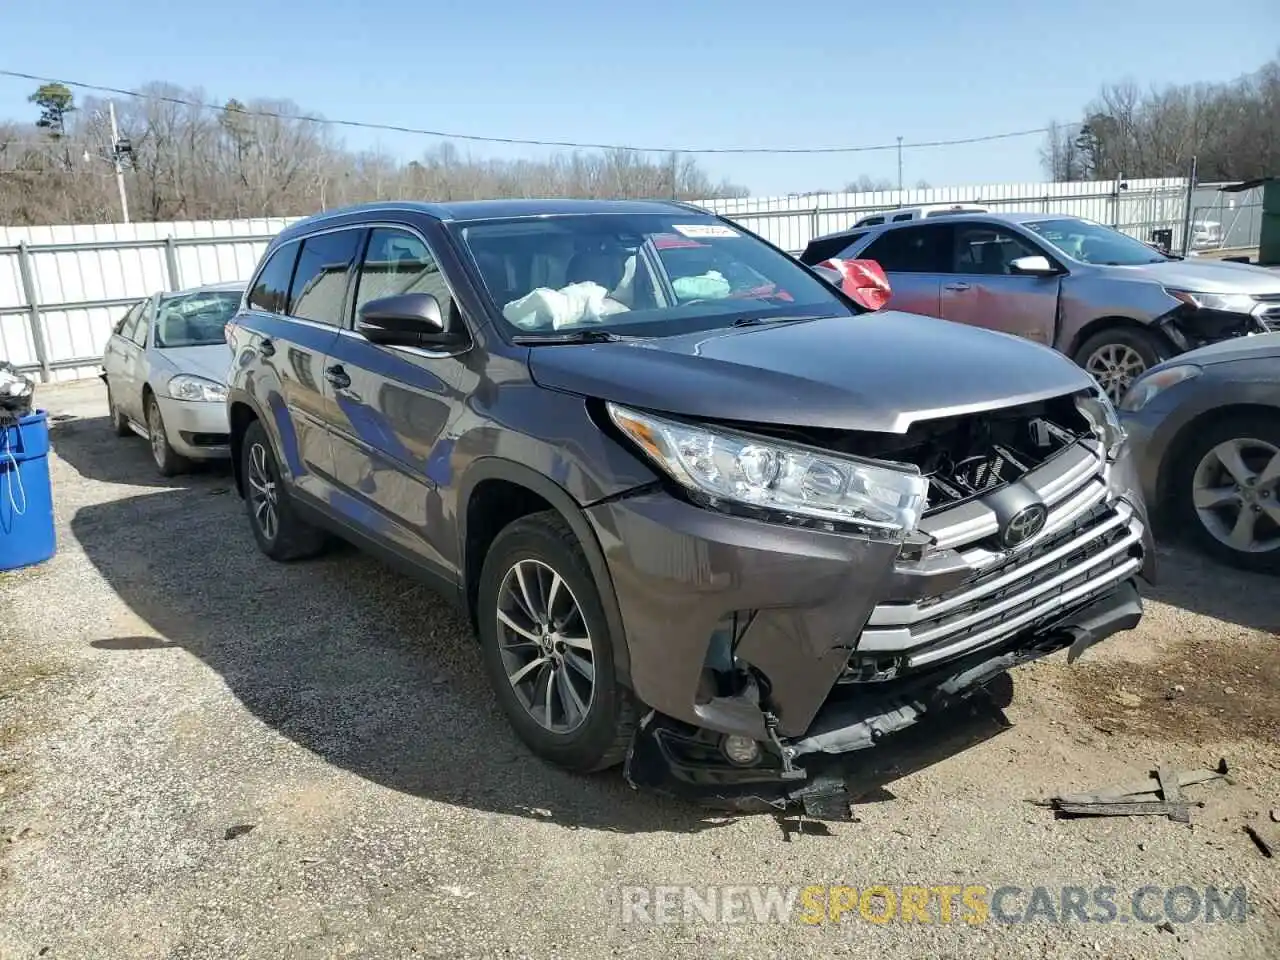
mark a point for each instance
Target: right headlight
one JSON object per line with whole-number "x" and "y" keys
{"x": 725, "y": 468}
{"x": 1149, "y": 386}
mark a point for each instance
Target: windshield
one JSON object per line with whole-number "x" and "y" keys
{"x": 638, "y": 274}
{"x": 195, "y": 319}
{"x": 1091, "y": 242}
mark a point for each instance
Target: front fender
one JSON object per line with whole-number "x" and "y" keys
{"x": 500, "y": 468}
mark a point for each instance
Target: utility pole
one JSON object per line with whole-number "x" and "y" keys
{"x": 899, "y": 163}
{"x": 675, "y": 174}
{"x": 115, "y": 159}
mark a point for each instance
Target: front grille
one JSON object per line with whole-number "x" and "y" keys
{"x": 1089, "y": 544}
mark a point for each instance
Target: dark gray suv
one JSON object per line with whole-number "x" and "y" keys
{"x": 707, "y": 515}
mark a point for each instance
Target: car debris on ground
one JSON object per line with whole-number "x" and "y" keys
{"x": 1158, "y": 795}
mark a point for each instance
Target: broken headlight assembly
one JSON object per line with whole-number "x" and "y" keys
{"x": 787, "y": 482}
{"x": 1146, "y": 388}
{"x": 1097, "y": 408}
{"x": 1224, "y": 302}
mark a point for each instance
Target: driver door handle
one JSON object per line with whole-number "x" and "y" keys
{"x": 957, "y": 286}
{"x": 337, "y": 376}
{"x": 266, "y": 347}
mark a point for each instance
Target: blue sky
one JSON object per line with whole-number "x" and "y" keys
{"x": 680, "y": 73}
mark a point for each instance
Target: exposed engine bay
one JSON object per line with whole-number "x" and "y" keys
{"x": 967, "y": 456}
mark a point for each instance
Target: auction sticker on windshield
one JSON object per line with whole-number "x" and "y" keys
{"x": 704, "y": 231}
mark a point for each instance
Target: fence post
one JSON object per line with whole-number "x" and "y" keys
{"x": 33, "y": 309}
{"x": 1115, "y": 201}
{"x": 1186, "y": 213}
{"x": 813, "y": 223}
{"x": 171, "y": 262}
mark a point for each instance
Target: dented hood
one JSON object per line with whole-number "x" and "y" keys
{"x": 875, "y": 371}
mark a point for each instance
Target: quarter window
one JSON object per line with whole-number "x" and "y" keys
{"x": 271, "y": 292}
{"x": 319, "y": 287}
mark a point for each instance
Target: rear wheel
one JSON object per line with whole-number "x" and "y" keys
{"x": 119, "y": 422}
{"x": 1226, "y": 489}
{"x": 547, "y": 647}
{"x": 1119, "y": 355}
{"x": 281, "y": 533}
{"x": 168, "y": 461}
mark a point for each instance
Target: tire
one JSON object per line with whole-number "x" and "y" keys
{"x": 119, "y": 422}
{"x": 285, "y": 536}
{"x": 543, "y": 545}
{"x": 1257, "y": 440}
{"x": 168, "y": 461}
{"x": 1119, "y": 355}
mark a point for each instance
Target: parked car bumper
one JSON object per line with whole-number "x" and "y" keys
{"x": 197, "y": 430}
{"x": 834, "y": 641}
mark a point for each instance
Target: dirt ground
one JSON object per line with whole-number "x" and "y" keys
{"x": 203, "y": 754}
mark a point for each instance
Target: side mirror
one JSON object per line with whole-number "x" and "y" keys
{"x": 407, "y": 320}
{"x": 1036, "y": 266}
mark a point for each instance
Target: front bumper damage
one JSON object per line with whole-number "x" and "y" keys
{"x": 819, "y": 646}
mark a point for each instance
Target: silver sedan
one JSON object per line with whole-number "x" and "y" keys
{"x": 165, "y": 368}
{"x": 1206, "y": 431}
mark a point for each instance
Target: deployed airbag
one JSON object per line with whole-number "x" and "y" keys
{"x": 572, "y": 305}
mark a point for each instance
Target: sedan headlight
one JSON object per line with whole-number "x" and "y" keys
{"x": 1226, "y": 302}
{"x": 1147, "y": 388}
{"x": 187, "y": 387}
{"x": 1098, "y": 409}
{"x": 726, "y": 468}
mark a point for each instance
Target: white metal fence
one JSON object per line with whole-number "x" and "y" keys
{"x": 63, "y": 287}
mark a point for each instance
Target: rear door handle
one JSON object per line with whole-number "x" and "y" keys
{"x": 337, "y": 376}
{"x": 956, "y": 286}
{"x": 266, "y": 347}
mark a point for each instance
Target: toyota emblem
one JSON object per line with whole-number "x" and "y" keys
{"x": 1024, "y": 525}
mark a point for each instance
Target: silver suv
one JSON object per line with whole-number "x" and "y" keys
{"x": 1113, "y": 304}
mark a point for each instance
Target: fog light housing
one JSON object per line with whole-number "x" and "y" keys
{"x": 740, "y": 751}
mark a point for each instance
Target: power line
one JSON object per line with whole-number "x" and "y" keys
{"x": 518, "y": 141}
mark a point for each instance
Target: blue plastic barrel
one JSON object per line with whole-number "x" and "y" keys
{"x": 26, "y": 493}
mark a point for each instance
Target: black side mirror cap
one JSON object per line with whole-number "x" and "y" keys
{"x": 407, "y": 320}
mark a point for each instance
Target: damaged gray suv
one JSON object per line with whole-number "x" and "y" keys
{"x": 710, "y": 518}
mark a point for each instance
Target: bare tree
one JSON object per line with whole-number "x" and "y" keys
{"x": 264, "y": 158}
{"x": 1232, "y": 129}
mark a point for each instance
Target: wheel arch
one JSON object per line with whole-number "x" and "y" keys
{"x": 495, "y": 492}
{"x": 241, "y": 412}
{"x": 1102, "y": 324}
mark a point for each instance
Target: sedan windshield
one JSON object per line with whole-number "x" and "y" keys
{"x": 195, "y": 319}
{"x": 638, "y": 274}
{"x": 1091, "y": 242}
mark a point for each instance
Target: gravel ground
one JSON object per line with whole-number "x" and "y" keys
{"x": 203, "y": 754}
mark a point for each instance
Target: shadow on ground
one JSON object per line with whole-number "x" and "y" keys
{"x": 360, "y": 665}
{"x": 91, "y": 448}
{"x": 1199, "y": 584}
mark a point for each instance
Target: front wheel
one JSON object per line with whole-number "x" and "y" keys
{"x": 547, "y": 648}
{"x": 1118, "y": 356}
{"x": 1226, "y": 488}
{"x": 168, "y": 461}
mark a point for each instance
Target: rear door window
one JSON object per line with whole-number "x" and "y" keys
{"x": 271, "y": 291}
{"x": 319, "y": 288}
{"x": 923, "y": 249}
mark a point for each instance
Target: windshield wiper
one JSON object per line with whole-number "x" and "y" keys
{"x": 761, "y": 321}
{"x": 569, "y": 336}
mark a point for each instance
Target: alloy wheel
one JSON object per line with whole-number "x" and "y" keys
{"x": 545, "y": 646}
{"x": 155, "y": 433}
{"x": 1115, "y": 366}
{"x": 1236, "y": 493}
{"x": 263, "y": 495}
